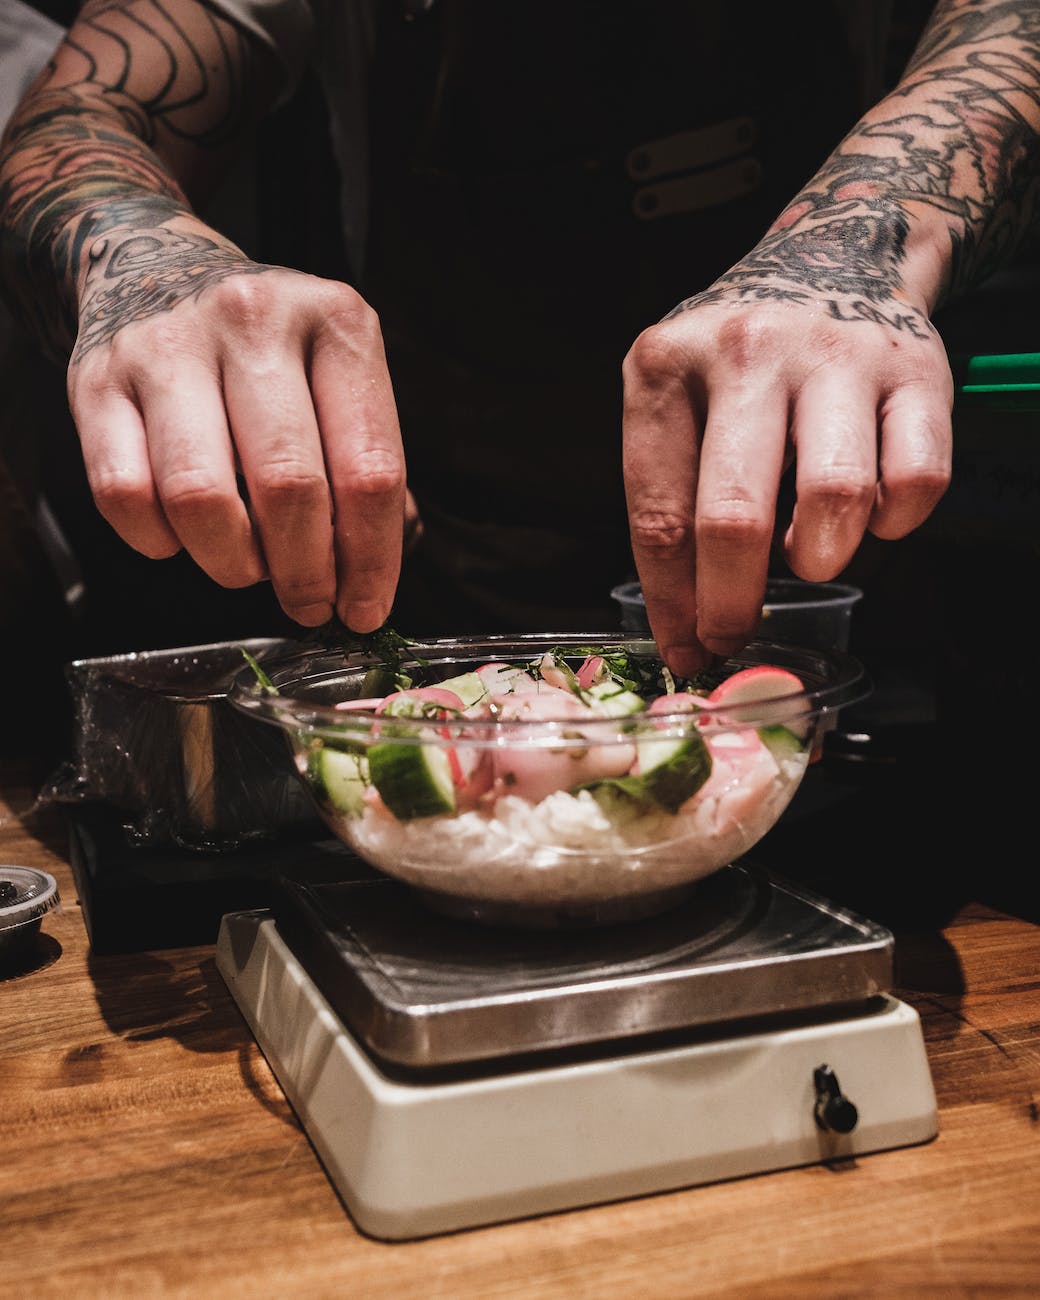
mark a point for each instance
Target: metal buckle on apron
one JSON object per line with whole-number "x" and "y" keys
{"x": 710, "y": 153}
{"x": 704, "y": 189}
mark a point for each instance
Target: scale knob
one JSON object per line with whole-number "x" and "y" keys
{"x": 833, "y": 1110}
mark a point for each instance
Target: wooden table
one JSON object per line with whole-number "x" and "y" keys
{"x": 147, "y": 1150}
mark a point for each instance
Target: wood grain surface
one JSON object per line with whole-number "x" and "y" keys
{"x": 147, "y": 1150}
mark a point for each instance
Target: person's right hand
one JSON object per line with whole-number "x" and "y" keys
{"x": 245, "y": 414}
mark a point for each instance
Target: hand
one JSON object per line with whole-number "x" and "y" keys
{"x": 245, "y": 414}
{"x": 720, "y": 397}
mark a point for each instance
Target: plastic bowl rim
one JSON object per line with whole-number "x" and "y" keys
{"x": 293, "y": 713}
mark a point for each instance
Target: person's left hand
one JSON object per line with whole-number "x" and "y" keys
{"x": 720, "y": 397}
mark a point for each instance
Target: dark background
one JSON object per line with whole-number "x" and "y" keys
{"x": 946, "y": 626}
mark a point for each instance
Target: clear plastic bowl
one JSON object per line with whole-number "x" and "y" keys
{"x": 568, "y": 817}
{"x": 813, "y": 614}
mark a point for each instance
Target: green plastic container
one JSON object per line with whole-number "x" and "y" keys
{"x": 1007, "y": 381}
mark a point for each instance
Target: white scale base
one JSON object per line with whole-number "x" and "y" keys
{"x": 413, "y": 1158}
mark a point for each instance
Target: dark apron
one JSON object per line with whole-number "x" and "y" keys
{"x": 528, "y": 221}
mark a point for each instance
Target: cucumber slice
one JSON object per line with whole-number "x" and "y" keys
{"x": 615, "y": 700}
{"x": 413, "y": 780}
{"x": 781, "y": 741}
{"x": 342, "y": 778}
{"x": 622, "y": 798}
{"x": 469, "y": 687}
{"x": 378, "y": 681}
{"x": 672, "y": 771}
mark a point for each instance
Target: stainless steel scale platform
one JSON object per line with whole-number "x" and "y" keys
{"x": 451, "y": 1075}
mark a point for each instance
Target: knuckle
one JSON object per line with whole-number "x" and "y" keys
{"x": 301, "y": 589}
{"x": 347, "y": 317}
{"x": 840, "y": 486}
{"x": 732, "y": 523}
{"x": 144, "y": 356}
{"x": 287, "y": 482}
{"x": 118, "y": 495}
{"x": 191, "y": 491}
{"x": 377, "y": 472}
{"x": 926, "y": 370}
{"x": 658, "y": 356}
{"x": 934, "y": 480}
{"x": 85, "y": 387}
{"x": 247, "y": 300}
{"x": 927, "y": 481}
{"x": 743, "y": 340}
{"x": 662, "y": 530}
{"x": 233, "y": 574}
{"x": 100, "y": 376}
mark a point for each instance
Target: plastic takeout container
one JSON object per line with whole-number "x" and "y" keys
{"x": 155, "y": 739}
{"x": 26, "y": 896}
{"x": 817, "y": 615}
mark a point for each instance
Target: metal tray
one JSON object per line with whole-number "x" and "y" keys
{"x": 422, "y": 991}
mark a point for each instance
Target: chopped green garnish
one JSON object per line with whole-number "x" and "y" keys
{"x": 384, "y": 644}
{"x": 261, "y": 676}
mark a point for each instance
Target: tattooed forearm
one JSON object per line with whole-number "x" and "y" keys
{"x": 49, "y": 219}
{"x": 142, "y": 99}
{"x": 189, "y": 71}
{"x": 951, "y": 157}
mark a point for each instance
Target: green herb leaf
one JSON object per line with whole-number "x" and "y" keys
{"x": 261, "y": 676}
{"x": 385, "y": 644}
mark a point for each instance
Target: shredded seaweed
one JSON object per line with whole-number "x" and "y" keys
{"x": 644, "y": 674}
{"x": 386, "y": 645}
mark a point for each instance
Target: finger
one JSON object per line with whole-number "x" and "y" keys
{"x": 193, "y": 468}
{"x": 834, "y": 431}
{"x": 279, "y": 449}
{"x": 357, "y": 414}
{"x": 660, "y": 459}
{"x": 916, "y": 460}
{"x": 119, "y": 472}
{"x": 742, "y": 459}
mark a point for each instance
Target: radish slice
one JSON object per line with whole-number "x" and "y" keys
{"x": 680, "y": 702}
{"x": 424, "y": 695}
{"x": 591, "y": 671}
{"x": 372, "y": 702}
{"x": 760, "y": 686}
{"x": 553, "y": 675}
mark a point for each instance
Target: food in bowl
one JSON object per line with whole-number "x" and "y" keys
{"x": 549, "y": 775}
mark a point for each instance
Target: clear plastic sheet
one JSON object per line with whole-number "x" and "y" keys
{"x": 155, "y": 738}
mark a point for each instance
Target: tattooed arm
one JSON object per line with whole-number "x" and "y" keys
{"x": 193, "y": 368}
{"x": 818, "y": 345}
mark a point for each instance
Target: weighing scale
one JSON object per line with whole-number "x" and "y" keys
{"x": 450, "y": 1074}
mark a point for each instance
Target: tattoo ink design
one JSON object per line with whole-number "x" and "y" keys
{"x": 967, "y": 147}
{"x": 137, "y": 86}
{"x": 147, "y": 273}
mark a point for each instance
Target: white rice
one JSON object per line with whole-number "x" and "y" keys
{"x": 564, "y": 849}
